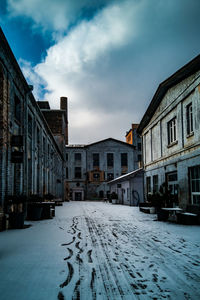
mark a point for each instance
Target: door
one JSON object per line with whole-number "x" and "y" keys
{"x": 78, "y": 196}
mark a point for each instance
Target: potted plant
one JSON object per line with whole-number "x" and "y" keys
{"x": 34, "y": 208}
{"x": 15, "y": 206}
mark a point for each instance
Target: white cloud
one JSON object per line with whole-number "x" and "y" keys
{"x": 53, "y": 15}
{"x": 32, "y": 78}
{"x": 110, "y": 66}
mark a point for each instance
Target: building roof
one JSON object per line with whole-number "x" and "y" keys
{"x": 187, "y": 70}
{"x": 43, "y": 104}
{"x": 98, "y": 142}
{"x": 75, "y": 146}
{"x": 110, "y": 139}
{"x": 126, "y": 176}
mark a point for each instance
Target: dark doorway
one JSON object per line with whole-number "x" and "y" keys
{"x": 101, "y": 194}
{"x": 78, "y": 196}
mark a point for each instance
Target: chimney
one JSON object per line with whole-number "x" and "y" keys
{"x": 63, "y": 103}
{"x": 63, "y": 106}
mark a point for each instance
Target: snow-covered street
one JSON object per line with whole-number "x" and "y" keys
{"x": 94, "y": 250}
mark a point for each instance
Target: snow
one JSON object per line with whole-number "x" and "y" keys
{"x": 96, "y": 250}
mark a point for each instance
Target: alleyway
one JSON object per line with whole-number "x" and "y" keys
{"x": 100, "y": 251}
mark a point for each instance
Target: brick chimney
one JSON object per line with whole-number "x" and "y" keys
{"x": 64, "y": 106}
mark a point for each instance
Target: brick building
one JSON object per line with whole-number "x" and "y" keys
{"x": 32, "y": 160}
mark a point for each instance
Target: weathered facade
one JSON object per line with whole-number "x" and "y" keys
{"x": 170, "y": 132}
{"x": 128, "y": 188}
{"x": 90, "y": 167}
{"x": 31, "y": 161}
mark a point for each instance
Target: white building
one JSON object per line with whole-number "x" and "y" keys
{"x": 170, "y": 131}
{"x": 129, "y": 188}
{"x": 90, "y": 167}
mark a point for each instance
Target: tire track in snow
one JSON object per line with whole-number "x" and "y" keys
{"x": 116, "y": 288}
{"x": 93, "y": 284}
{"x": 76, "y": 293}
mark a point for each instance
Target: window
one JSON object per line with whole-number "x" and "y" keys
{"x": 66, "y": 156}
{"x": 124, "y": 160}
{"x": 38, "y": 135}
{"x": 148, "y": 183}
{"x": 139, "y": 146}
{"x": 17, "y": 109}
{"x": 30, "y": 125}
{"x": 155, "y": 183}
{"x": 171, "y": 125}
{"x": 195, "y": 184}
{"x": 95, "y": 159}
{"x": 189, "y": 118}
{"x": 96, "y": 176}
{"x": 77, "y": 156}
{"x": 139, "y": 157}
{"x": 110, "y": 176}
{"x": 77, "y": 172}
{"x": 67, "y": 173}
{"x": 172, "y": 182}
{"x": 110, "y": 161}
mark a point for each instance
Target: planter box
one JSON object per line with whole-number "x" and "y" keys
{"x": 16, "y": 220}
{"x": 162, "y": 215}
{"x": 34, "y": 211}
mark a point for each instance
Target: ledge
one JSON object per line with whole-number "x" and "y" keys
{"x": 190, "y": 134}
{"x": 172, "y": 144}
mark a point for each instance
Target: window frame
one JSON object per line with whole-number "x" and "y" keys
{"x": 191, "y": 180}
{"x": 172, "y": 131}
{"x": 189, "y": 119}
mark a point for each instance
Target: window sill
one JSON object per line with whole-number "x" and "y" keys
{"x": 172, "y": 144}
{"x": 190, "y": 134}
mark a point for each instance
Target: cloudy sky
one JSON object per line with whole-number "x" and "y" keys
{"x": 107, "y": 56}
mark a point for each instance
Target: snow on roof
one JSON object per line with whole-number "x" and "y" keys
{"x": 125, "y": 176}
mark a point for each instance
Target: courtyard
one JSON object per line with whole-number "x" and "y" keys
{"x": 96, "y": 250}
